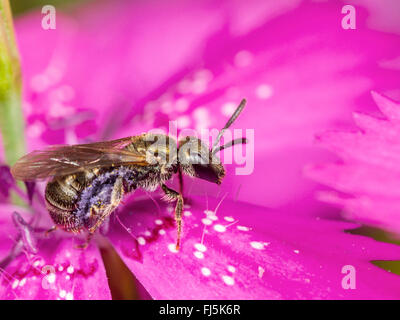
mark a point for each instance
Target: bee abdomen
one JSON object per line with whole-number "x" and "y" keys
{"x": 65, "y": 219}
{"x": 61, "y": 194}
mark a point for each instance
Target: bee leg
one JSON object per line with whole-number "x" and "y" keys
{"x": 116, "y": 197}
{"x": 181, "y": 186}
{"x": 180, "y": 176}
{"x": 53, "y": 228}
{"x": 172, "y": 195}
{"x": 84, "y": 245}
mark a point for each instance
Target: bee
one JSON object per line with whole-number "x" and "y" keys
{"x": 88, "y": 181}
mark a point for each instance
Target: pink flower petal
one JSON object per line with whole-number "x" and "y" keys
{"x": 247, "y": 252}
{"x": 370, "y": 173}
{"x": 97, "y": 76}
{"x": 6, "y": 180}
{"x": 388, "y": 107}
{"x": 57, "y": 271}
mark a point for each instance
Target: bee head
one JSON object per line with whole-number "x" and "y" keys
{"x": 197, "y": 160}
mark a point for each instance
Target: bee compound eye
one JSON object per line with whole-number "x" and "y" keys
{"x": 205, "y": 172}
{"x": 196, "y": 158}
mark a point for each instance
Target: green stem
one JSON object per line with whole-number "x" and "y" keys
{"x": 11, "y": 118}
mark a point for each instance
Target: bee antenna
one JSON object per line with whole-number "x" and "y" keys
{"x": 230, "y": 144}
{"x": 227, "y": 125}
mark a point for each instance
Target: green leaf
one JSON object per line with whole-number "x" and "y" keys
{"x": 11, "y": 118}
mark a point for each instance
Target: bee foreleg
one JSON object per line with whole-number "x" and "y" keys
{"x": 84, "y": 245}
{"x": 116, "y": 196}
{"x": 52, "y": 229}
{"x": 172, "y": 195}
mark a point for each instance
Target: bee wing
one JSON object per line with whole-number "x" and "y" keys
{"x": 65, "y": 159}
{"x": 115, "y": 144}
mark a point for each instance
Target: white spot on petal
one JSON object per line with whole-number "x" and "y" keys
{"x": 69, "y": 296}
{"x": 228, "y": 280}
{"x": 206, "y": 221}
{"x": 161, "y": 232}
{"x": 205, "y": 271}
{"x": 15, "y": 284}
{"x": 243, "y": 228}
{"x": 199, "y": 255}
{"x": 70, "y": 269}
{"x": 172, "y": 247}
{"x": 22, "y": 282}
{"x": 200, "y": 247}
{"x": 219, "y": 228}
{"x": 141, "y": 241}
{"x": 257, "y": 245}
{"x": 296, "y": 251}
{"x": 231, "y": 269}
{"x": 158, "y": 222}
{"x": 229, "y": 219}
{"x": 62, "y": 293}
{"x": 51, "y": 278}
{"x": 187, "y": 213}
{"x": 261, "y": 271}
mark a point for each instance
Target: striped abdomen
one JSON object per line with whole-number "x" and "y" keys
{"x": 62, "y": 194}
